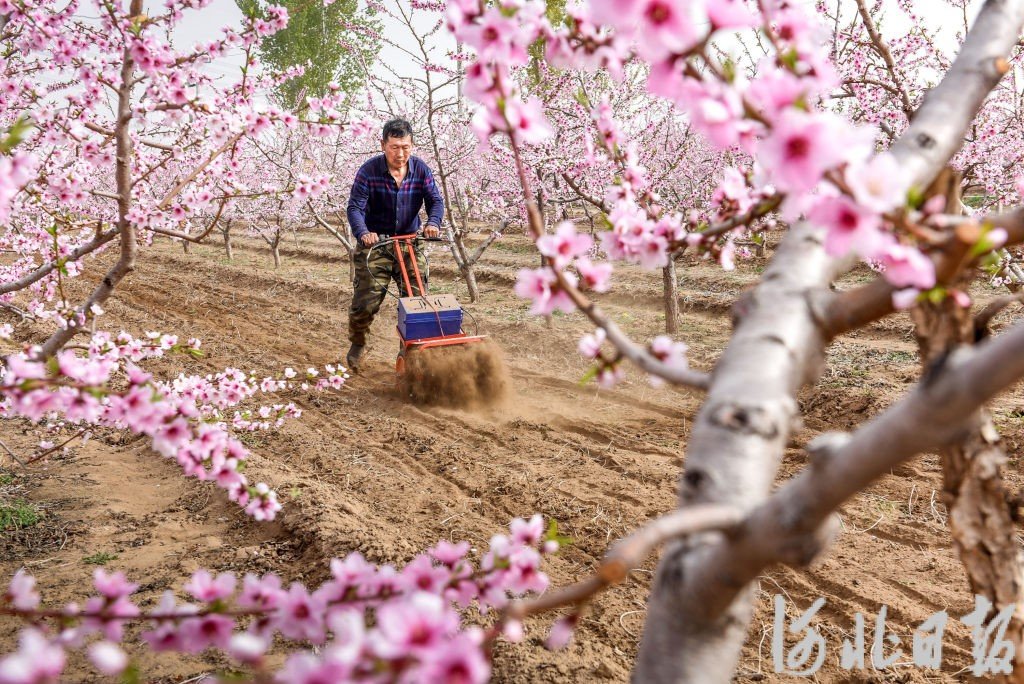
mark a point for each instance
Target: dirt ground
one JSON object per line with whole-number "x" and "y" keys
{"x": 364, "y": 470}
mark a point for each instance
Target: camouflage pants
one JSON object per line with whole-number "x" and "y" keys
{"x": 372, "y": 279}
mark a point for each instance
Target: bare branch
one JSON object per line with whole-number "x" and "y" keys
{"x": 627, "y": 554}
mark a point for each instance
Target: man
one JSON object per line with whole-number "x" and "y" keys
{"x": 386, "y": 197}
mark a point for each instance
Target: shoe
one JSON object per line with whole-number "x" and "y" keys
{"x": 355, "y": 353}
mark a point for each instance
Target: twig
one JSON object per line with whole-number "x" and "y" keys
{"x": 630, "y": 552}
{"x": 12, "y": 454}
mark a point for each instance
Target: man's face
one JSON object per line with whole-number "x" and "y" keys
{"x": 397, "y": 150}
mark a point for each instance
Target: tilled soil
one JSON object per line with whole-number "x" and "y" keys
{"x": 365, "y": 469}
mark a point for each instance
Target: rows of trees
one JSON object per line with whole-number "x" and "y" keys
{"x": 637, "y": 131}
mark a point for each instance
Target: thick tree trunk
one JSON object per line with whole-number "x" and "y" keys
{"x": 698, "y": 613}
{"x": 276, "y": 251}
{"x": 671, "y": 297}
{"x": 980, "y": 514}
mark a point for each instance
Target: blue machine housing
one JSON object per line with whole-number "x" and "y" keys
{"x": 430, "y": 316}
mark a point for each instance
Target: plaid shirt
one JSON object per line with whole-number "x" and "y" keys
{"x": 378, "y": 205}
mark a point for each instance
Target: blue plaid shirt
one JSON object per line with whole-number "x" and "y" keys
{"x": 378, "y": 205}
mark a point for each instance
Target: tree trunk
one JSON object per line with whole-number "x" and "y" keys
{"x": 276, "y": 251}
{"x": 980, "y": 513}
{"x": 469, "y": 276}
{"x": 227, "y": 246}
{"x": 186, "y": 246}
{"x": 671, "y": 297}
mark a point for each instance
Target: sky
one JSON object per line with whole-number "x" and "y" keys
{"x": 205, "y": 24}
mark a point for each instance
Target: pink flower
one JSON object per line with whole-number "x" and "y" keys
{"x": 458, "y": 661}
{"x": 907, "y": 267}
{"x": 801, "y": 148}
{"x": 416, "y": 625}
{"x": 774, "y": 89}
{"x": 726, "y": 14}
{"x": 209, "y": 630}
{"x": 590, "y": 345}
{"x": 541, "y": 287}
{"x": 108, "y": 658}
{"x": 715, "y": 110}
{"x": 36, "y": 660}
{"x": 22, "y": 591}
{"x": 564, "y": 245}
{"x": 561, "y": 632}
{"x": 524, "y": 573}
{"x": 260, "y": 593}
{"x": 877, "y": 183}
{"x": 203, "y": 587}
{"x": 422, "y": 575}
{"x": 113, "y": 585}
{"x": 527, "y": 122}
{"x": 848, "y": 226}
{"x": 905, "y": 298}
{"x": 300, "y": 615}
{"x": 449, "y": 554}
{"x": 247, "y": 648}
{"x": 595, "y": 276}
{"x": 529, "y": 532}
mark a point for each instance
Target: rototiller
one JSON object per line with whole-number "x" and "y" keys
{"x": 427, "y": 321}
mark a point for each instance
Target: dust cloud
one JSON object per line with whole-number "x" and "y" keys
{"x": 461, "y": 376}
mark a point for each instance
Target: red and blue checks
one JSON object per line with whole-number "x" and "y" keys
{"x": 378, "y": 205}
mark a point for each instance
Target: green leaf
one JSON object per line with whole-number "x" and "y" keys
{"x": 553, "y": 535}
{"x": 936, "y": 295}
{"x": 589, "y": 375}
{"x": 131, "y": 675}
{"x": 789, "y": 59}
{"x": 985, "y": 243}
{"x": 729, "y": 67}
{"x": 915, "y": 197}
{"x": 15, "y": 135}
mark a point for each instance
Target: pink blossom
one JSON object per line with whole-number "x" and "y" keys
{"x": 205, "y": 588}
{"x": 108, "y": 658}
{"x": 247, "y": 648}
{"x": 541, "y": 287}
{"x": 527, "y": 121}
{"x": 565, "y": 245}
{"x": 907, "y": 267}
{"x": 113, "y": 585}
{"x": 848, "y": 226}
{"x": 36, "y": 660}
{"x": 300, "y": 615}
{"x": 458, "y": 661}
{"x": 878, "y": 184}
{"x": 422, "y": 575}
{"x": 726, "y": 14}
{"x": 449, "y": 554}
{"x": 22, "y": 591}
{"x": 590, "y": 345}
{"x": 905, "y": 298}
{"x": 561, "y": 632}
{"x": 595, "y": 276}
{"x": 800, "y": 148}
{"x": 527, "y": 532}
{"x": 416, "y": 625}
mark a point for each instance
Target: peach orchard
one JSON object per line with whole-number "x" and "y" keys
{"x": 625, "y": 131}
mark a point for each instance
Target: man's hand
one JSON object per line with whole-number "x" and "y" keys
{"x": 369, "y": 239}
{"x": 431, "y": 232}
